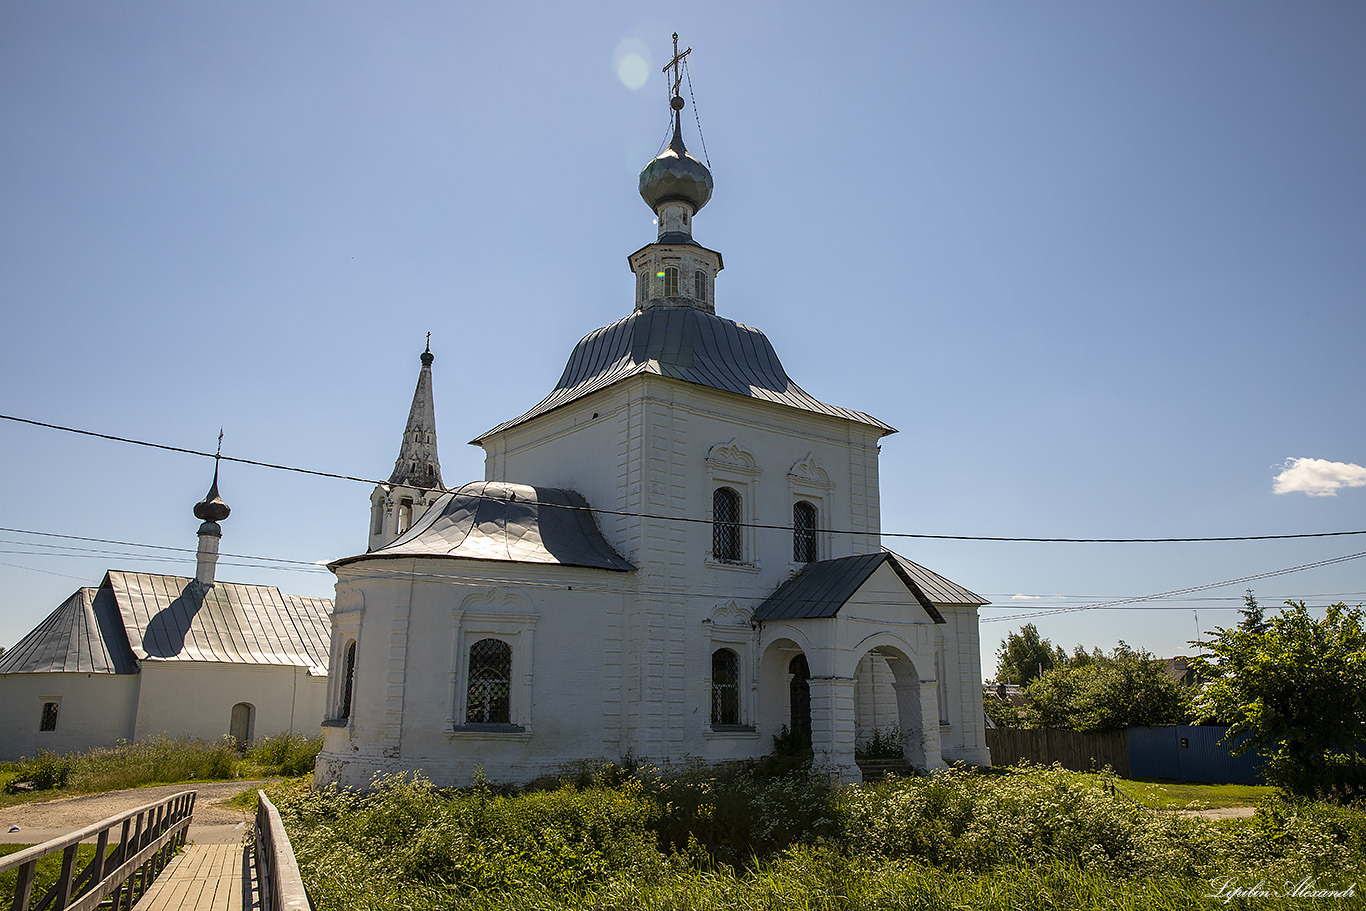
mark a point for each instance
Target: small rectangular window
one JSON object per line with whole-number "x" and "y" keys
{"x": 703, "y": 292}
{"x": 670, "y": 281}
{"x": 49, "y": 722}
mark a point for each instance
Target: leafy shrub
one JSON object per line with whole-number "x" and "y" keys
{"x": 45, "y": 771}
{"x": 881, "y": 744}
{"x": 288, "y": 753}
{"x": 740, "y": 817}
{"x": 962, "y": 820}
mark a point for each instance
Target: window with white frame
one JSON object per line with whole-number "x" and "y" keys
{"x": 809, "y": 486}
{"x": 702, "y": 286}
{"x": 348, "y": 681}
{"x": 670, "y": 276}
{"x": 642, "y": 286}
{"x": 491, "y": 669}
{"x": 725, "y": 687}
{"x": 733, "y": 479}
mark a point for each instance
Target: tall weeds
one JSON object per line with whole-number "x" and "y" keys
{"x": 1039, "y": 838}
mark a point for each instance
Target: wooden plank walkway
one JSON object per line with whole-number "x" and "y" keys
{"x": 204, "y": 878}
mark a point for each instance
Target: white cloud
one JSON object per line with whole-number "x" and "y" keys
{"x": 1318, "y": 477}
{"x": 1025, "y": 597}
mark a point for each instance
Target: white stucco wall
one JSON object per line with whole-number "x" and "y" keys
{"x": 196, "y": 699}
{"x": 94, "y": 710}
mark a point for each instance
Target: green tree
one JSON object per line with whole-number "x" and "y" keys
{"x": 1253, "y": 618}
{"x": 1025, "y": 655}
{"x": 1099, "y": 692}
{"x": 1296, "y": 691}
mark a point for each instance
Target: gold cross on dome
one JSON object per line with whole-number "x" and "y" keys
{"x": 678, "y": 58}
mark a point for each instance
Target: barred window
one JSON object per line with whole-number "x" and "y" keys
{"x": 803, "y": 532}
{"x": 725, "y": 687}
{"x": 670, "y": 276}
{"x": 725, "y": 525}
{"x": 49, "y": 722}
{"x": 489, "y": 696}
{"x": 348, "y": 680}
{"x": 702, "y": 286}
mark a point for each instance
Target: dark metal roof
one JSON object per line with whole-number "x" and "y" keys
{"x": 687, "y": 344}
{"x": 517, "y": 523}
{"x": 936, "y": 587}
{"x": 822, "y": 588}
{"x": 83, "y": 636}
{"x": 171, "y": 618}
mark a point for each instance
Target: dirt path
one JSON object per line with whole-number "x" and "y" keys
{"x": 73, "y": 813}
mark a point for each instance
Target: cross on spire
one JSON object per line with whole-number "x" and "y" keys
{"x": 678, "y": 59}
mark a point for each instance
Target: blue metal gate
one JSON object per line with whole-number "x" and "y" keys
{"x": 1186, "y": 753}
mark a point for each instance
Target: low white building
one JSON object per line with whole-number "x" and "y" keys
{"x": 144, "y": 654}
{"x": 674, "y": 555}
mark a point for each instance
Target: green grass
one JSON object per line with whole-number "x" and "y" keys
{"x": 1017, "y": 839}
{"x": 1171, "y": 795}
{"x": 155, "y": 761}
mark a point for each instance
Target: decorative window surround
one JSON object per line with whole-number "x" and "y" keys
{"x": 346, "y": 622}
{"x": 516, "y": 627}
{"x": 730, "y": 465}
{"x": 808, "y": 480}
{"x": 731, "y": 626}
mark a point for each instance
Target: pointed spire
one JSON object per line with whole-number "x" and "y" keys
{"x": 417, "y": 464}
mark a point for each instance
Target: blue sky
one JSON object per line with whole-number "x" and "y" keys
{"x": 1101, "y": 264}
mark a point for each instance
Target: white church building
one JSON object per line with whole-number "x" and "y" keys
{"x": 674, "y": 556}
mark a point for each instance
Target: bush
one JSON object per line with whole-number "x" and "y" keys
{"x": 709, "y": 838}
{"x": 288, "y": 754}
{"x": 46, "y": 771}
{"x": 967, "y": 821}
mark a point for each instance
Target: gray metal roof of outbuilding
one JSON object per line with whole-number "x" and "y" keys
{"x": 84, "y": 635}
{"x": 516, "y": 523}
{"x": 688, "y": 344}
{"x": 822, "y": 588}
{"x": 149, "y": 616}
{"x": 172, "y": 618}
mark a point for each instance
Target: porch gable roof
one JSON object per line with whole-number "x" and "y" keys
{"x": 823, "y": 587}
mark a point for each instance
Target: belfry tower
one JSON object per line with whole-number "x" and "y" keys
{"x": 416, "y": 480}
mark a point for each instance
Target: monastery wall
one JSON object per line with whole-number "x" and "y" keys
{"x": 94, "y": 710}
{"x": 196, "y": 699}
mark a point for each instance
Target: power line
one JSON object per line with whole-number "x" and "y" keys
{"x": 1179, "y": 591}
{"x": 721, "y": 594}
{"x": 596, "y": 510}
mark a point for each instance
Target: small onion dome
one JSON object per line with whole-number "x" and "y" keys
{"x": 675, "y": 175}
{"x": 212, "y": 508}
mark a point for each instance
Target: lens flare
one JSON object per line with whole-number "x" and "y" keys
{"x": 631, "y": 61}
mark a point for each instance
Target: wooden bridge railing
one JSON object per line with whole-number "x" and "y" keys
{"x": 146, "y": 839}
{"x": 282, "y": 889}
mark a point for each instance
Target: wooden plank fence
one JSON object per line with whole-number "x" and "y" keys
{"x": 1072, "y": 749}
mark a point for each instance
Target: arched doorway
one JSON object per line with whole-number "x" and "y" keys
{"x": 890, "y": 686}
{"x": 240, "y": 725}
{"x": 799, "y": 700}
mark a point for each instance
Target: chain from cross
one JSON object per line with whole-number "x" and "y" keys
{"x": 678, "y": 59}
